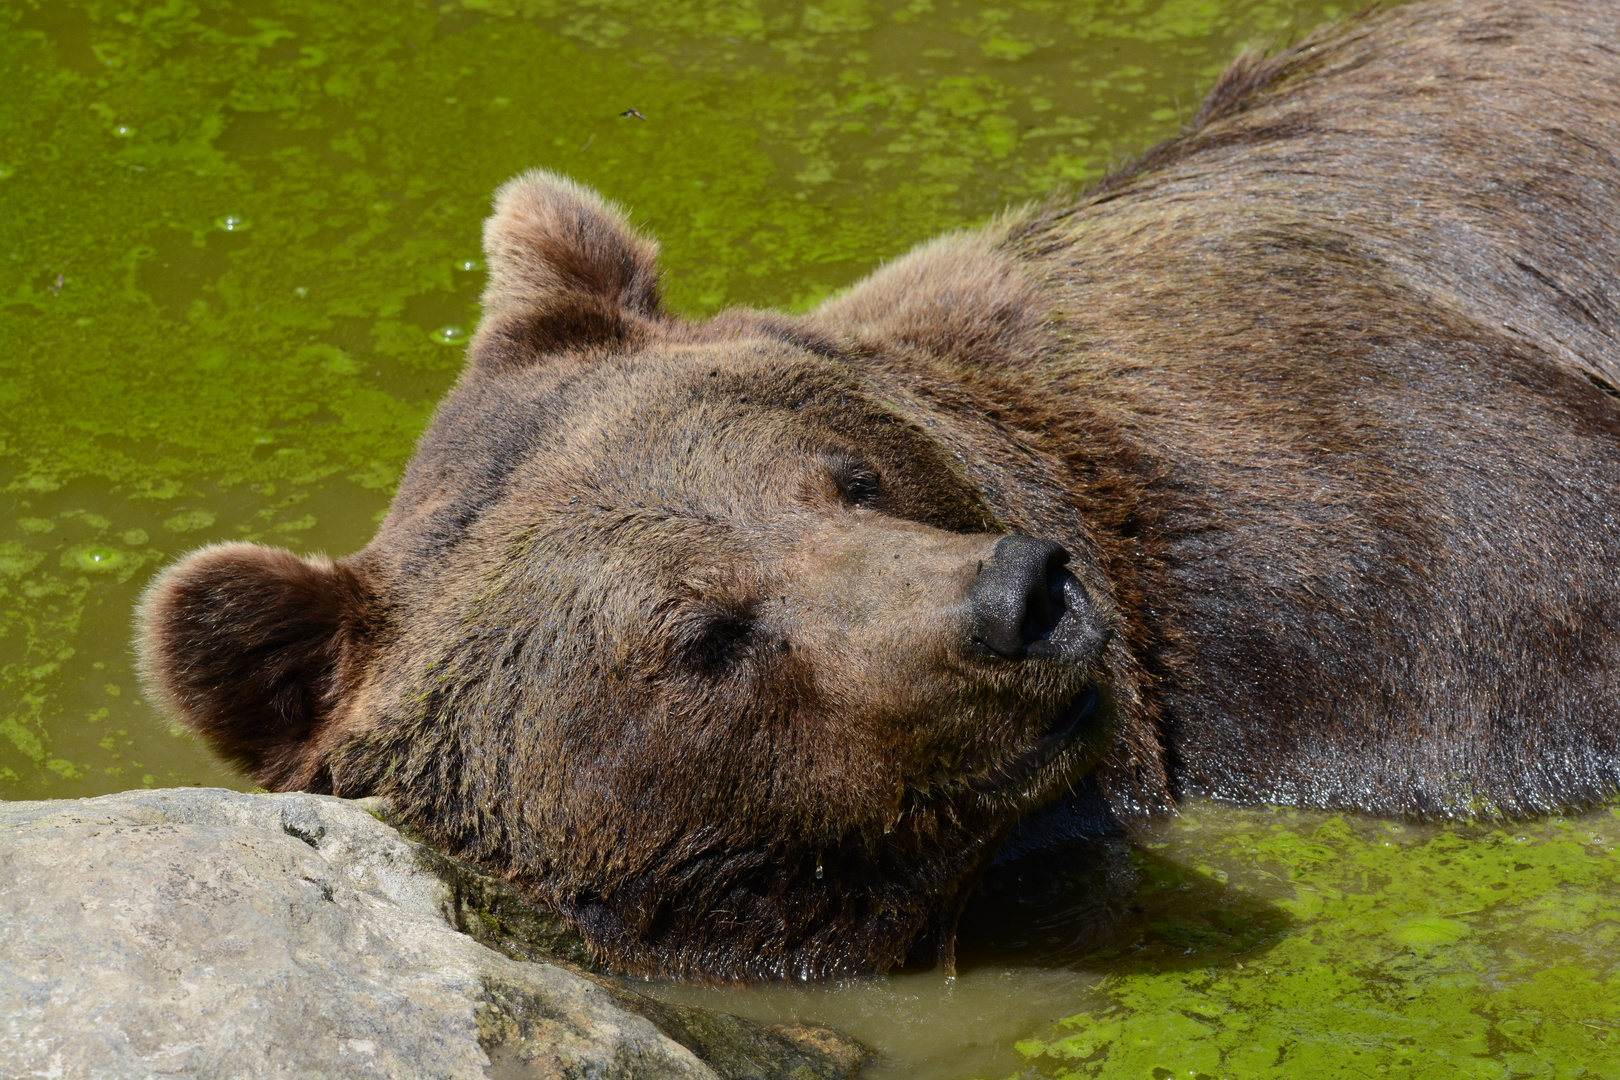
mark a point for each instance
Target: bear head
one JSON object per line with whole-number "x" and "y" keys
{"x": 715, "y": 637}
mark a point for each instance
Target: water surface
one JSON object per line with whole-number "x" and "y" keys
{"x": 1263, "y": 944}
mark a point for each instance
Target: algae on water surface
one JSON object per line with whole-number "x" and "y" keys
{"x": 1264, "y": 944}
{"x": 1404, "y": 951}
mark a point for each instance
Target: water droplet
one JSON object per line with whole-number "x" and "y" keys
{"x": 98, "y": 560}
{"x": 818, "y": 871}
{"x": 470, "y": 265}
{"x": 123, "y": 131}
{"x": 449, "y": 335}
{"x": 301, "y": 292}
{"x": 231, "y": 223}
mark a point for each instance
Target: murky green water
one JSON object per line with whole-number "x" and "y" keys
{"x": 238, "y": 258}
{"x": 1263, "y": 945}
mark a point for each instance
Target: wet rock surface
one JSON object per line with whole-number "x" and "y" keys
{"x": 198, "y": 932}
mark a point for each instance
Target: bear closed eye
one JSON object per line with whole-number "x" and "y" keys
{"x": 745, "y": 643}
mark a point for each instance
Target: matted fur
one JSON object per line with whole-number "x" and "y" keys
{"x": 667, "y": 622}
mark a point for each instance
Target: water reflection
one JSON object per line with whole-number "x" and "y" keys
{"x": 1108, "y": 901}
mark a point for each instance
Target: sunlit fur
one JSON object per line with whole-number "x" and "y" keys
{"x": 667, "y": 620}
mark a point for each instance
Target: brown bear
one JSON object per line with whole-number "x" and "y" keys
{"x": 1283, "y": 465}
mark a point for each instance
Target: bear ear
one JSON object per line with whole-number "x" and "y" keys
{"x": 565, "y": 269}
{"x": 961, "y": 296}
{"x": 256, "y": 650}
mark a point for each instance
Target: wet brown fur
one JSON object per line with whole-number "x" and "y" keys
{"x": 1319, "y": 395}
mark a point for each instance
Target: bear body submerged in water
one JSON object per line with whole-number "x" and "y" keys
{"x": 1281, "y": 466}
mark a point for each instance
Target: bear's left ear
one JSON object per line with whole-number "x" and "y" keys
{"x": 963, "y": 297}
{"x": 565, "y": 270}
{"x": 257, "y": 651}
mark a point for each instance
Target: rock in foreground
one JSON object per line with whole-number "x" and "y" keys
{"x": 210, "y": 933}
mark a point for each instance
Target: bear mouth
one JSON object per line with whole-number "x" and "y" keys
{"x": 1071, "y": 721}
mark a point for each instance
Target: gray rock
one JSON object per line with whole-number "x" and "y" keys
{"x": 210, "y": 933}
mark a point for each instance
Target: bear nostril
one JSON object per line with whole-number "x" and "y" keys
{"x": 1019, "y": 598}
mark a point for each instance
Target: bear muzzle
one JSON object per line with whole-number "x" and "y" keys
{"x": 1027, "y": 605}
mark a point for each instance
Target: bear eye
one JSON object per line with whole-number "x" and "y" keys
{"x": 857, "y": 481}
{"x": 719, "y": 640}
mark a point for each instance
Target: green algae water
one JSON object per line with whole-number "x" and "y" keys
{"x": 239, "y": 262}
{"x": 1262, "y": 945}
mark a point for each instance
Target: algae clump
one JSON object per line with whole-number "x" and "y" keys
{"x": 1408, "y": 951}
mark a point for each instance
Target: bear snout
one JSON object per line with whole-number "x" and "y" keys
{"x": 1026, "y": 604}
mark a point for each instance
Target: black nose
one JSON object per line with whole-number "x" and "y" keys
{"x": 1019, "y": 598}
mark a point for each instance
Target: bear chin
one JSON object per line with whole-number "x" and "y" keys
{"x": 1067, "y": 727}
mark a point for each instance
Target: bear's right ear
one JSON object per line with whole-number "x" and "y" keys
{"x": 257, "y": 650}
{"x": 565, "y": 270}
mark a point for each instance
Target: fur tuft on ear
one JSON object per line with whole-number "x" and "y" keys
{"x": 960, "y": 297}
{"x": 256, "y": 650}
{"x": 565, "y": 269}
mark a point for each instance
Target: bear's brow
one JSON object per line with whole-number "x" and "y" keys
{"x": 627, "y": 515}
